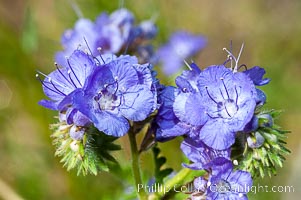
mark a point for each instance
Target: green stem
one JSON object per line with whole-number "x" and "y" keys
{"x": 135, "y": 165}
{"x": 176, "y": 180}
{"x": 183, "y": 176}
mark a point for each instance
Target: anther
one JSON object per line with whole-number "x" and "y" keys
{"x": 57, "y": 67}
{"x": 42, "y": 82}
{"x": 49, "y": 77}
{"x": 99, "y": 49}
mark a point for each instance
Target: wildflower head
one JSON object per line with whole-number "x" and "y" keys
{"x": 225, "y": 183}
{"x": 60, "y": 84}
{"x": 115, "y": 93}
{"x": 200, "y": 154}
{"x": 223, "y": 100}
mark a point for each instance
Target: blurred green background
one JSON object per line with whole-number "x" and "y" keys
{"x": 30, "y": 35}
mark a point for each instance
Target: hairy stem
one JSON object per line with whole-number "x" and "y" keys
{"x": 135, "y": 165}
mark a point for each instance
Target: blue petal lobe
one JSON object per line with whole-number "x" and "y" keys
{"x": 138, "y": 102}
{"x": 216, "y": 135}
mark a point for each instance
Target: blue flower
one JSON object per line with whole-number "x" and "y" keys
{"x": 200, "y": 154}
{"x": 169, "y": 125}
{"x": 223, "y": 105}
{"x": 108, "y": 34}
{"x": 60, "y": 84}
{"x": 116, "y": 92}
{"x": 181, "y": 46}
{"x": 167, "y": 121}
{"x": 84, "y": 33}
{"x": 225, "y": 183}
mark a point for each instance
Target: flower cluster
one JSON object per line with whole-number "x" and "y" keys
{"x": 102, "y": 94}
{"x": 218, "y": 110}
{"x": 112, "y": 33}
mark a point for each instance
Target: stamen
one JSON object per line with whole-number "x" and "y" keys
{"x": 228, "y": 59}
{"x": 243, "y": 65}
{"x": 99, "y": 50}
{"x": 227, "y": 111}
{"x": 110, "y": 84}
{"x": 116, "y": 87}
{"x": 73, "y": 73}
{"x": 222, "y": 79}
{"x": 88, "y": 46}
{"x": 239, "y": 54}
{"x": 99, "y": 106}
{"x": 56, "y": 88}
{"x": 236, "y": 94}
{"x": 119, "y": 103}
{"x": 134, "y": 99}
{"x": 231, "y": 50}
{"x": 57, "y": 67}
{"x": 209, "y": 115}
{"x": 69, "y": 72}
{"x": 187, "y": 64}
{"x": 206, "y": 87}
{"x": 221, "y": 93}
{"x": 42, "y": 82}
{"x": 89, "y": 50}
{"x": 96, "y": 98}
{"x": 231, "y": 56}
{"x": 50, "y": 78}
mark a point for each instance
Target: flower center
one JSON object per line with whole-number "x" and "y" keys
{"x": 227, "y": 108}
{"x": 223, "y": 186}
{"x": 106, "y": 101}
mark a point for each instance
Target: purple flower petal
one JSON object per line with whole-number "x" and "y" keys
{"x": 215, "y": 134}
{"x": 137, "y": 103}
{"x": 256, "y": 75}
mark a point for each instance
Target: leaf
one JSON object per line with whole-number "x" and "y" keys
{"x": 265, "y": 159}
{"x": 159, "y": 161}
{"x": 93, "y": 153}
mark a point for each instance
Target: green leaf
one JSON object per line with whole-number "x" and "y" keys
{"x": 265, "y": 159}
{"x": 159, "y": 161}
{"x": 91, "y": 155}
